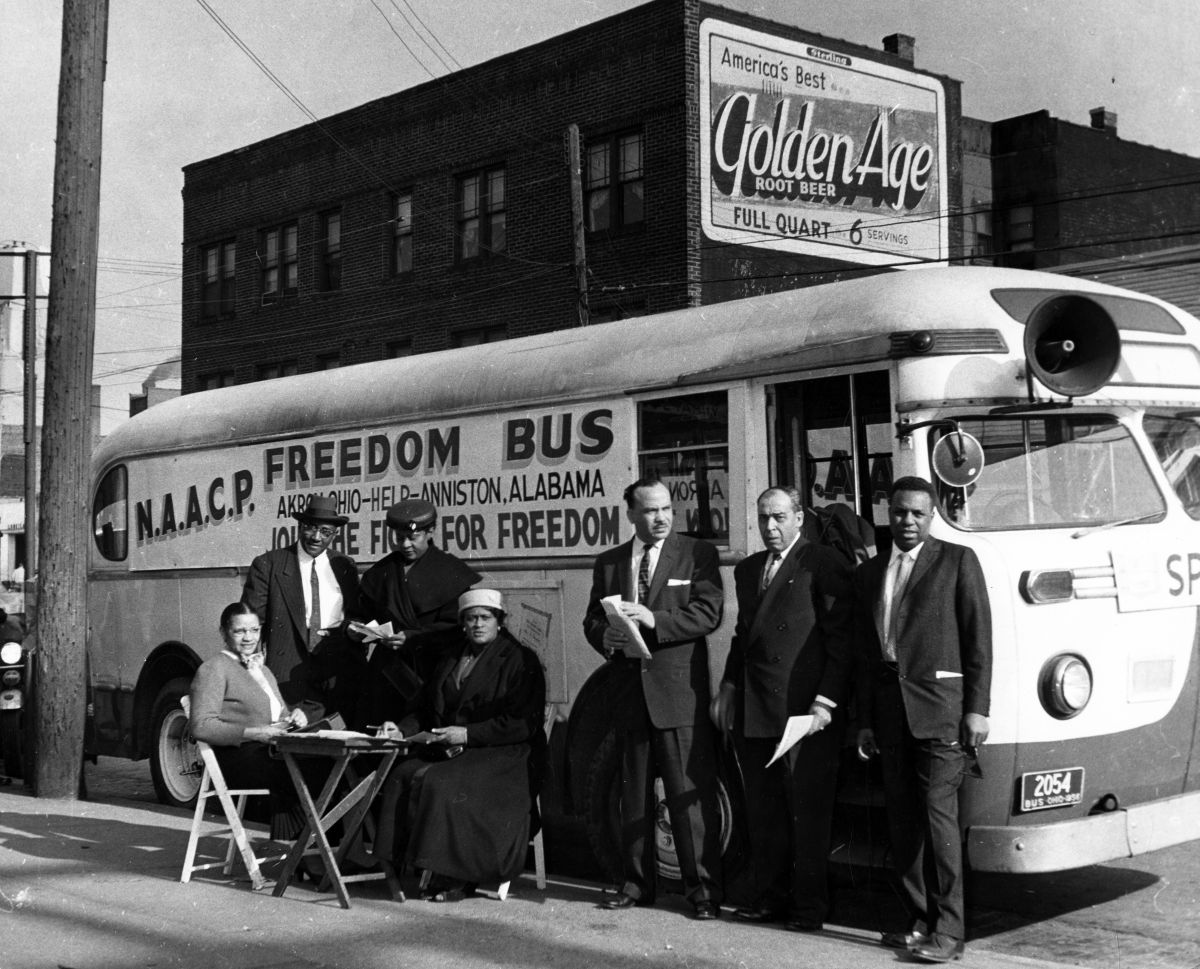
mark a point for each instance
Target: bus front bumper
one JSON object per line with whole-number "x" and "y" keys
{"x": 1057, "y": 846}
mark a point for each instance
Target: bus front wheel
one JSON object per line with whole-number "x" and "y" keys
{"x": 174, "y": 759}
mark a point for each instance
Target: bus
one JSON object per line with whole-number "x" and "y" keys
{"x": 1059, "y": 418}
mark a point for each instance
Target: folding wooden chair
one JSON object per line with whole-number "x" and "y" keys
{"x": 539, "y": 848}
{"x": 212, "y": 784}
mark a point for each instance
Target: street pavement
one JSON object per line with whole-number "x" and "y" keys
{"x": 95, "y": 885}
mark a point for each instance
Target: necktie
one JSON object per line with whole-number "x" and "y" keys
{"x": 644, "y": 575}
{"x": 314, "y": 615}
{"x": 771, "y": 569}
{"x": 903, "y": 568}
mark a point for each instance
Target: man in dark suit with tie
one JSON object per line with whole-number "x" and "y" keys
{"x": 791, "y": 655}
{"x": 670, "y": 586}
{"x": 924, "y": 638}
{"x": 304, "y": 594}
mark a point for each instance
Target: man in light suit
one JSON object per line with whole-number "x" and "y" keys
{"x": 305, "y": 646}
{"x": 924, "y": 638}
{"x": 791, "y": 655}
{"x": 670, "y": 585}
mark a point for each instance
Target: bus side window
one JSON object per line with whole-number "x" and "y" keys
{"x": 110, "y": 515}
{"x": 685, "y": 441}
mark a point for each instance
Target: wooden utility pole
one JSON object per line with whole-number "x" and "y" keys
{"x": 574, "y": 162}
{"x": 64, "y": 534}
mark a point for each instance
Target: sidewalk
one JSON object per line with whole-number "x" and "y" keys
{"x": 88, "y": 885}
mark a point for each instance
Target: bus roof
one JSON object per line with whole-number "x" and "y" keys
{"x": 611, "y": 358}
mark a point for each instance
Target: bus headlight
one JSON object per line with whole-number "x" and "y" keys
{"x": 1047, "y": 585}
{"x": 10, "y": 654}
{"x": 1065, "y": 686}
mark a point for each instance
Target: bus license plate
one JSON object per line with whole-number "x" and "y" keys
{"x": 1045, "y": 789}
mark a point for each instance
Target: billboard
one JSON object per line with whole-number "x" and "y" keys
{"x": 814, "y": 151}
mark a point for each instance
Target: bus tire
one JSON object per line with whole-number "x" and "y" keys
{"x": 603, "y": 797}
{"x": 10, "y": 744}
{"x": 174, "y": 759}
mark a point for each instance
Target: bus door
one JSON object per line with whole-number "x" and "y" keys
{"x": 832, "y": 439}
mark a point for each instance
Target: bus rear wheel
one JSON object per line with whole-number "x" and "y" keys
{"x": 174, "y": 759}
{"x": 603, "y": 796}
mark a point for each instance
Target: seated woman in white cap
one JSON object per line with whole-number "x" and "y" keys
{"x": 466, "y": 819}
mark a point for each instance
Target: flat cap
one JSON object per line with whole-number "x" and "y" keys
{"x": 480, "y": 597}
{"x": 412, "y": 515}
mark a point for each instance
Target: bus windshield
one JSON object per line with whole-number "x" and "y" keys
{"x": 1176, "y": 442}
{"x": 1053, "y": 471}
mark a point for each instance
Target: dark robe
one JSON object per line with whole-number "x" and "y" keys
{"x": 421, "y": 602}
{"x": 469, "y": 818}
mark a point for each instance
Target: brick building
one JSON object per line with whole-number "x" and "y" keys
{"x": 1067, "y": 193}
{"x": 443, "y": 215}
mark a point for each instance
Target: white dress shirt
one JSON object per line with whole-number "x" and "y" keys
{"x": 331, "y": 592}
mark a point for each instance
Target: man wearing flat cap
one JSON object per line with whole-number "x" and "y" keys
{"x": 416, "y": 589}
{"x": 304, "y": 595}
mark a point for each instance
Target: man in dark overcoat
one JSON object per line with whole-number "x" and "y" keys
{"x": 670, "y": 586}
{"x": 791, "y": 655}
{"x": 923, "y": 632}
{"x": 416, "y": 589}
{"x": 306, "y": 647}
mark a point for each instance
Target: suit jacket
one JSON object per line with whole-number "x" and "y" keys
{"x": 944, "y": 642}
{"x": 793, "y": 641}
{"x": 273, "y": 589}
{"x": 687, "y": 600}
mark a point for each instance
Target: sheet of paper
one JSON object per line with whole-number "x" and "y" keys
{"x": 618, "y": 620}
{"x": 795, "y": 728}
{"x": 372, "y": 631}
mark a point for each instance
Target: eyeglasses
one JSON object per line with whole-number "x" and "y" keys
{"x": 325, "y": 531}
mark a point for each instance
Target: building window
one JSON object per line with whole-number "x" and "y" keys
{"x": 614, "y": 183}
{"x": 278, "y": 257}
{"x": 214, "y": 380}
{"x": 280, "y": 368}
{"x": 477, "y": 335}
{"x": 327, "y": 361}
{"x": 402, "y": 233}
{"x": 217, "y": 269}
{"x": 481, "y": 215}
{"x": 983, "y": 235}
{"x": 1020, "y": 228}
{"x": 397, "y": 348}
{"x": 329, "y": 274}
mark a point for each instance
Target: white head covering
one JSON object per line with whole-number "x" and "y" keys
{"x": 480, "y": 597}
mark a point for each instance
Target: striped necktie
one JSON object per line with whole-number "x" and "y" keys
{"x": 314, "y": 615}
{"x": 644, "y": 575}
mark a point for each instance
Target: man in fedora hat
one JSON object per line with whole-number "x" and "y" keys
{"x": 304, "y": 595}
{"x": 416, "y": 589}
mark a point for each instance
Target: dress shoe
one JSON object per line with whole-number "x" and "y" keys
{"x": 622, "y": 900}
{"x": 938, "y": 948}
{"x": 759, "y": 913}
{"x": 706, "y": 911}
{"x": 803, "y": 924}
{"x": 903, "y": 940}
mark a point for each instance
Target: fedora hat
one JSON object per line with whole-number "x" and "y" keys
{"x": 321, "y": 508}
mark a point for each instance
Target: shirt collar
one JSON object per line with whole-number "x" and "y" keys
{"x": 783, "y": 552}
{"x": 305, "y": 558}
{"x": 911, "y": 553}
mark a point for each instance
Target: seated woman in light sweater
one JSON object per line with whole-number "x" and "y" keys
{"x": 236, "y": 708}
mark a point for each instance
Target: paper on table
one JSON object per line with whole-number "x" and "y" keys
{"x": 618, "y": 619}
{"x": 795, "y": 728}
